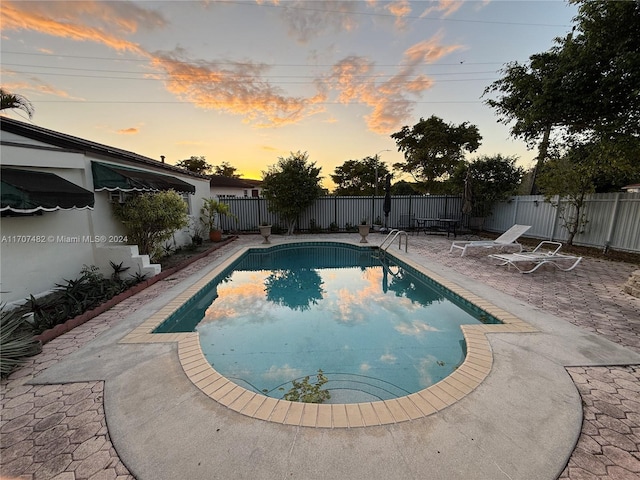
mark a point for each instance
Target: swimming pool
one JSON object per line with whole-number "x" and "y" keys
{"x": 378, "y": 328}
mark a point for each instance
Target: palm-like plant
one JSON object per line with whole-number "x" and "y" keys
{"x": 12, "y": 100}
{"x": 16, "y": 341}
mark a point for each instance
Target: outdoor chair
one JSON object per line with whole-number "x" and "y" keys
{"x": 545, "y": 253}
{"x": 507, "y": 239}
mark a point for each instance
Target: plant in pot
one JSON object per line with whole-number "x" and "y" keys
{"x": 198, "y": 231}
{"x": 377, "y": 224}
{"x": 210, "y": 213}
{"x": 363, "y": 230}
{"x": 265, "y": 231}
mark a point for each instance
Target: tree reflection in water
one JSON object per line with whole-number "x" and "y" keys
{"x": 296, "y": 289}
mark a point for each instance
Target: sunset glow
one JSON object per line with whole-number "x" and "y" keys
{"x": 246, "y": 81}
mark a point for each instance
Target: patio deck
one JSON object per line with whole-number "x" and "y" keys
{"x": 522, "y": 422}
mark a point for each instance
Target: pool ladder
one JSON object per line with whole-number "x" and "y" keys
{"x": 391, "y": 236}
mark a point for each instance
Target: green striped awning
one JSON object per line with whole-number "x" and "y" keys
{"x": 28, "y": 192}
{"x": 125, "y": 179}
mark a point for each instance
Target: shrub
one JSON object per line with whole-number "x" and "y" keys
{"x": 152, "y": 218}
{"x": 16, "y": 340}
{"x": 304, "y": 391}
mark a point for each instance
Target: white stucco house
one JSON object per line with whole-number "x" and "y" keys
{"x": 56, "y": 213}
{"x": 230, "y": 187}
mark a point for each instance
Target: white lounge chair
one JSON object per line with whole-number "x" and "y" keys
{"x": 507, "y": 239}
{"x": 545, "y": 253}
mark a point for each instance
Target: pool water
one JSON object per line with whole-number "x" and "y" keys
{"x": 377, "y": 328}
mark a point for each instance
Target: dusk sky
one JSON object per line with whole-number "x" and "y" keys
{"x": 246, "y": 82}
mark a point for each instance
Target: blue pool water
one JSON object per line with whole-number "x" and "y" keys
{"x": 377, "y": 328}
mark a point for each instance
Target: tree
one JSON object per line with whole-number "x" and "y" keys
{"x": 225, "y": 170}
{"x": 493, "y": 179}
{"x": 358, "y": 177}
{"x": 603, "y": 73}
{"x": 585, "y": 89}
{"x": 291, "y": 186}
{"x": 531, "y": 100}
{"x": 403, "y": 187}
{"x": 195, "y": 164}
{"x": 151, "y": 218}
{"x": 14, "y": 101}
{"x": 575, "y": 174}
{"x": 433, "y": 148}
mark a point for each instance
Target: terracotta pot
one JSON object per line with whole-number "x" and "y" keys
{"x": 215, "y": 235}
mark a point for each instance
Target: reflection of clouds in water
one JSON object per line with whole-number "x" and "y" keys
{"x": 284, "y": 373}
{"x": 365, "y": 367}
{"x": 415, "y": 329}
{"x": 388, "y": 358}
{"x": 348, "y": 307}
{"x": 424, "y": 370}
{"x": 241, "y": 300}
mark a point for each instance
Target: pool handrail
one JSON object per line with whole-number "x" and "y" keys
{"x": 396, "y": 234}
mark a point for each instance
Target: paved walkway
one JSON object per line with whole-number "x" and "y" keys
{"x": 59, "y": 431}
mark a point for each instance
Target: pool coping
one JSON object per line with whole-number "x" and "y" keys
{"x": 448, "y": 391}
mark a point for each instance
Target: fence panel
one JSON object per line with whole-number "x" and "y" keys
{"x": 613, "y": 218}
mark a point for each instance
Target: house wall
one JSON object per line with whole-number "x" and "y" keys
{"x": 37, "y": 252}
{"x": 232, "y": 192}
{"x": 42, "y": 250}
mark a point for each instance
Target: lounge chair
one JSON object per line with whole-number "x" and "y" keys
{"x": 507, "y": 239}
{"x": 545, "y": 253}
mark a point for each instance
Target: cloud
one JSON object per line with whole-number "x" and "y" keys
{"x": 415, "y": 329}
{"x": 308, "y": 19}
{"x": 399, "y": 9}
{"x": 355, "y": 79}
{"x": 129, "y": 131}
{"x": 284, "y": 373}
{"x": 34, "y": 85}
{"x": 447, "y": 7}
{"x": 388, "y": 358}
{"x": 81, "y": 21}
{"x": 234, "y": 87}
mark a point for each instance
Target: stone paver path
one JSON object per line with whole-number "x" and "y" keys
{"x": 59, "y": 431}
{"x": 609, "y": 445}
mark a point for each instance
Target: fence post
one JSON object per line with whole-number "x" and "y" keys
{"x": 612, "y": 223}
{"x": 555, "y": 218}
{"x": 515, "y": 211}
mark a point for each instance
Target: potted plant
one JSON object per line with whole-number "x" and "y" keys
{"x": 210, "y": 214}
{"x": 363, "y": 230}
{"x": 265, "y": 231}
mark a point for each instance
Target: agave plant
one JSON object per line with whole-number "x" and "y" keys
{"x": 16, "y": 341}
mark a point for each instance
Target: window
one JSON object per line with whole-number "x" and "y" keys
{"x": 187, "y": 199}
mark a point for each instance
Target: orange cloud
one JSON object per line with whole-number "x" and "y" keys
{"x": 129, "y": 131}
{"x": 80, "y": 20}
{"x": 447, "y": 7}
{"x": 399, "y": 9}
{"x": 356, "y": 81}
{"x": 38, "y": 86}
{"x": 234, "y": 87}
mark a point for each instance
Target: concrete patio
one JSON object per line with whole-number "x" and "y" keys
{"x": 575, "y": 380}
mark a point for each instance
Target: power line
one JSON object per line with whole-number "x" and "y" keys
{"x": 240, "y": 74}
{"x": 185, "y": 102}
{"x": 239, "y": 78}
{"x": 306, "y": 65}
